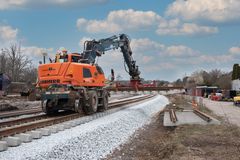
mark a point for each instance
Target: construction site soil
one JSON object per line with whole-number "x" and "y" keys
{"x": 10, "y": 103}
{"x": 186, "y": 142}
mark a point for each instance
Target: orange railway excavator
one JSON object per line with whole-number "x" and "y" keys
{"x": 75, "y": 82}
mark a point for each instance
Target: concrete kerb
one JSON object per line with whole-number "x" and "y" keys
{"x": 25, "y": 137}
{"x": 45, "y": 131}
{"x": 78, "y": 122}
{"x": 60, "y": 127}
{"x": 53, "y": 129}
{"x": 36, "y": 134}
{"x": 67, "y": 125}
{"x": 3, "y": 146}
{"x": 12, "y": 141}
{"x": 74, "y": 123}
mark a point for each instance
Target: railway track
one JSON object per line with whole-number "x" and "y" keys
{"x": 19, "y": 113}
{"x": 13, "y": 127}
{"x": 174, "y": 118}
{"x": 24, "y": 112}
{"x": 202, "y": 115}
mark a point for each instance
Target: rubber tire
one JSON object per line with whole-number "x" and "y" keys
{"x": 92, "y": 103}
{"x": 104, "y": 102}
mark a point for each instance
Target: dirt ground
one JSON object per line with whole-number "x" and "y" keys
{"x": 10, "y": 103}
{"x": 187, "y": 142}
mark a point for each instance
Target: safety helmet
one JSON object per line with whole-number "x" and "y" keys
{"x": 62, "y": 49}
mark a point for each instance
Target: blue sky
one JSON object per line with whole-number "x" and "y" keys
{"x": 169, "y": 38}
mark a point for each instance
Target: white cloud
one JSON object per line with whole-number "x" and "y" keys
{"x": 131, "y": 20}
{"x": 6, "y": 4}
{"x": 147, "y": 59}
{"x": 234, "y": 50}
{"x": 156, "y": 67}
{"x": 34, "y": 51}
{"x": 213, "y": 10}
{"x": 7, "y": 33}
{"x": 214, "y": 59}
{"x": 94, "y": 26}
{"x": 9, "y": 4}
{"x": 147, "y": 46}
{"x": 180, "y": 50}
{"x": 175, "y": 27}
{"x": 120, "y": 20}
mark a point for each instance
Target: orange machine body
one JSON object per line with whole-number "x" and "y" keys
{"x": 70, "y": 71}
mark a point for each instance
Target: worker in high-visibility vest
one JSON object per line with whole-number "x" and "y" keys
{"x": 64, "y": 54}
{"x": 61, "y": 55}
{"x": 57, "y": 57}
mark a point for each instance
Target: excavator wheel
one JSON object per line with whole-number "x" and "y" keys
{"x": 104, "y": 105}
{"x": 91, "y": 106}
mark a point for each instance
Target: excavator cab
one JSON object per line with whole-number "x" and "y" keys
{"x": 73, "y": 57}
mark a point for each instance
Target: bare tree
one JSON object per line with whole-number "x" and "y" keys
{"x": 215, "y": 77}
{"x": 17, "y": 61}
{"x": 215, "y": 74}
{"x": 197, "y": 76}
{"x": 224, "y": 81}
{"x": 178, "y": 82}
{"x": 3, "y": 61}
{"x": 29, "y": 74}
{"x": 190, "y": 83}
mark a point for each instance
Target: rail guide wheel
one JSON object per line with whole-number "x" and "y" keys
{"x": 104, "y": 102}
{"x": 50, "y": 109}
{"x": 79, "y": 103}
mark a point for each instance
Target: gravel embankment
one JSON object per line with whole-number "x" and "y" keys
{"x": 92, "y": 140}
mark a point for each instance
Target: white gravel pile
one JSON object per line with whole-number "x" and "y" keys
{"x": 92, "y": 140}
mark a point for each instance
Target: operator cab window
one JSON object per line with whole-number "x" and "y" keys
{"x": 63, "y": 58}
{"x": 76, "y": 59}
{"x": 87, "y": 73}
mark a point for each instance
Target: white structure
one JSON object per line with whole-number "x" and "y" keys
{"x": 236, "y": 85}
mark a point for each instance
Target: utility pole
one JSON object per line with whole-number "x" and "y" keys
{"x": 44, "y": 57}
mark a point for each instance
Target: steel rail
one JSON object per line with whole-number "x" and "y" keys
{"x": 173, "y": 116}
{"x": 19, "y": 113}
{"x": 202, "y": 115}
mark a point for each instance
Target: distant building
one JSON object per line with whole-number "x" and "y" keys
{"x": 202, "y": 91}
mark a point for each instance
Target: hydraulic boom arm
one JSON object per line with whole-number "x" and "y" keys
{"x": 94, "y": 48}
